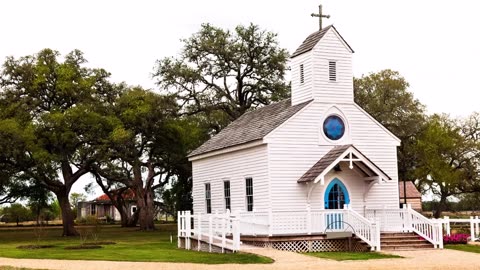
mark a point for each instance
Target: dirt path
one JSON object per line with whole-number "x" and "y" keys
{"x": 429, "y": 259}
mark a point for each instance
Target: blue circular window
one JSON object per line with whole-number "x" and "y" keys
{"x": 333, "y": 127}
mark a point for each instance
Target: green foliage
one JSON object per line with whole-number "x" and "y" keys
{"x": 446, "y": 165}
{"x": 384, "y": 96}
{"x": 51, "y": 117}
{"x": 221, "y": 74}
{"x": 16, "y": 213}
{"x": 132, "y": 245}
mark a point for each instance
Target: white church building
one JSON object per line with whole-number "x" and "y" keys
{"x": 298, "y": 174}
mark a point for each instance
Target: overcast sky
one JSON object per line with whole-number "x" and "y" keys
{"x": 433, "y": 44}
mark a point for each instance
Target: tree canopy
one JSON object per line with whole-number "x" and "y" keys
{"x": 385, "y": 96}
{"x": 51, "y": 121}
{"x": 221, "y": 74}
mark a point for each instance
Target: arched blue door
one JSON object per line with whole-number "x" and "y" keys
{"x": 336, "y": 196}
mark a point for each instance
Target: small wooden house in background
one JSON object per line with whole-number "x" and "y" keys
{"x": 414, "y": 197}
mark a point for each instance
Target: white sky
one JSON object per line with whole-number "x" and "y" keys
{"x": 434, "y": 44}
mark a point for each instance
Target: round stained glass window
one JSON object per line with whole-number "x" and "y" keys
{"x": 333, "y": 127}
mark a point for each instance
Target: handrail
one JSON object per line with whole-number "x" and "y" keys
{"x": 429, "y": 230}
{"x": 367, "y": 231}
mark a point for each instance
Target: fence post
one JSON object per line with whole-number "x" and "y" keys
{"x": 472, "y": 229}
{"x": 447, "y": 225}
{"x": 210, "y": 232}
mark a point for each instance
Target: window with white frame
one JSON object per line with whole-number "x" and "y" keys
{"x": 208, "y": 198}
{"x": 249, "y": 193}
{"x": 226, "y": 193}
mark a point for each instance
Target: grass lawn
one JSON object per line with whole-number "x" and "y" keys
{"x": 344, "y": 256}
{"x": 132, "y": 245}
{"x": 467, "y": 248}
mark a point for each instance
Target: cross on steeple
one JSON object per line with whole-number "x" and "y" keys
{"x": 320, "y": 16}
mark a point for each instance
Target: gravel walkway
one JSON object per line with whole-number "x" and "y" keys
{"x": 428, "y": 259}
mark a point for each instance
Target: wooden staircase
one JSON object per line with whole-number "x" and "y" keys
{"x": 403, "y": 241}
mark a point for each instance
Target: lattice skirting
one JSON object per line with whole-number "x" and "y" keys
{"x": 323, "y": 245}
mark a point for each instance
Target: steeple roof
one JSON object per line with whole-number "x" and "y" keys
{"x": 313, "y": 39}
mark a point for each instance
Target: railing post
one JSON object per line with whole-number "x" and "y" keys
{"x": 199, "y": 230}
{"x": 477, "y": 227}
{"x": 188, "y": 225}
{"x": 236, "y": 234}
{"x": 472, "y": 229}
{"x": 224, "y": 225}
{"x": 446, "y": 219}
{"x": 210, "y": 232}
{"x": 179, "y": 227}
{"x": 377, "y": 234}
{"x": 309, "y": 220}
{"x": 440, "y": 235}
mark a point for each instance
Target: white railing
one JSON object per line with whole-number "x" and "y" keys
{"x": 473, "y": 221}
{"x": 224, "y": 230}
{"x": 219, "y": 230}
{"x": 408, "y": 220}
{"x": 368, "y": 231}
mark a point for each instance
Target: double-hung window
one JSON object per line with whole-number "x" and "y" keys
{"x": 226, "y": 193}
{"x": 208, "y": 198}
{"x": 249, "y": 193}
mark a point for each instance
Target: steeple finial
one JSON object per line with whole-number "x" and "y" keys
{"x": 320, "y": 15}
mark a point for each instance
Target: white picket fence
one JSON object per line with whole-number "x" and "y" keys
{"x": 473, "y": 221}
{"x": 224, "y": 230}
{"x": 408, "y": 220}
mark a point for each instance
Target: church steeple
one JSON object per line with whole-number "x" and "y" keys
{"x": 322, "y": 68}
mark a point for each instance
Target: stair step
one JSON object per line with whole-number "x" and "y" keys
{"x": 405, "y": 242}
{"x": 401, "y": 237}
{"x": 406, "y": 248}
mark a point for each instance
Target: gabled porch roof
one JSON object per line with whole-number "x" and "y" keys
{"x": 344, "y": 153}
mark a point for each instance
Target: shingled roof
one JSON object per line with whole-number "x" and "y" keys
{"x": 412, "y": 191}
{"x": 336, "y": 152}
{"x": 323, "y": 163}
{"x": 251, "y": 126}
{"x": 313, "y": 39}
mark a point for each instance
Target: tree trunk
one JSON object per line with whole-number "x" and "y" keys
{"x": 441, "y": 206}
{"x": 145, "y": 208}
{"x": 127, "y": 220}
{"x": 68, "y": 220}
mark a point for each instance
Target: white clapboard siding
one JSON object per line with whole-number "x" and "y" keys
{"x": 332, "y": 48}
{"x": 296, "y": 146}
{"x": 234, "y": 166}
{"x": 303, "y": 91}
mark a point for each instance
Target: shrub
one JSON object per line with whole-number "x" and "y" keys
{"x": 453, "y": 239}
